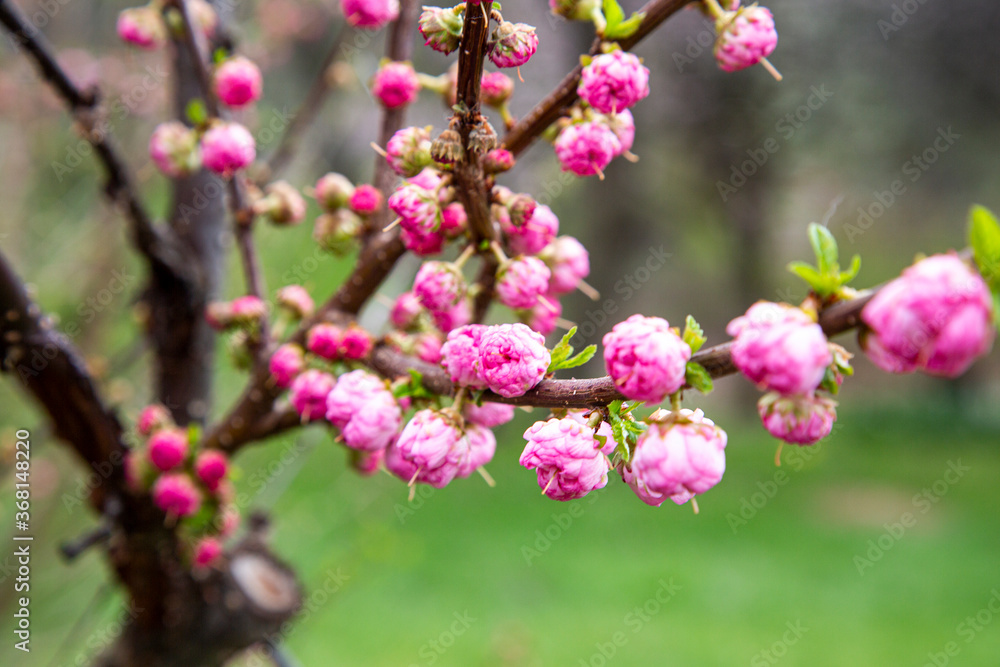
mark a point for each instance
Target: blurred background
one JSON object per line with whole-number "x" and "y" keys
{"x": 809, "y": 564}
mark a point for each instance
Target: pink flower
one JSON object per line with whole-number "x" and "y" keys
{"x": 496, "y": 88}
{"x": 167, "y": 448}
{"x": 296, "y": 300}
{"x": 678, "y": 457}
{"x": 482, "y": 446}
{"x": 457, "y": 316}
{"x": 152, "y": 418}
{"x": 566, "y": 457}
{"x": 142, "y": 26}
{"x": 174, "y": 149}
{"x": 366, "y": 463}
{"x": 936, "y": 317}
{"x": 227, "y": 147}
{"x": 430, "y": 450}
{"x": 646, "y": 359}
{"x": 323, "y": 340}
{"x": 613, "y": 82}
{"x": 538, "y": 231}
{"x": 453, "y": 220}
{"x": 395, "y": 85}
{"x": 569, "y": 262}
{"x": 309, "y": 392}
{"x": 366, "y": 199}
{"x": 513, "y": 358}
{"x": 238, "y": 82}
{"x": 211, "y": 467}
{"x": 355, "y": 344}
{"x": 370, "y": 13}
{"x": 460, "y": 356}
{"x": 409, "y": 150}
{"x": 498, "y": 160}
{"x": 207, "y": 551}
{"x": 429, "y": 179}
{"x": 515, "y": 44}
{"x": 405, "y": 310}
{"x": 439, "y": 285}
{"x": 603, "y": 430}
{"x": 418, "y": 209}
{"x": 488, "y": 415}
{"x": 352, "y": 391}
{"x": 745, "y": 38}
{"x": 374, "y": 424}
{"x": 542, "y": 318}
{"x": 441, "y": 27}
{"x": 285, "y": 365}
{"x": 333, "y": 191}
{"x": 176, "y": 495}
{"x": 802, "y": 419}
{"x": 421, "y": 243}
{"x": 522, "y": 281}
{"x": 247, "y": 310}
{"x": 586, "y": 148}
{"x": 427, "y": 347}
{"x": 623, "y": 125}
{"x": 779, "y": 348}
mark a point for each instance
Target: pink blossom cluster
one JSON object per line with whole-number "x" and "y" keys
{"x": 435, "y": 447}
{"x": 507, "y": 359}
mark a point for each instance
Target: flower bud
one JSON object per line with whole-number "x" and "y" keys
{"x": 174, "y": 149}
{"x": 238, "y": 82}
{"x": 442, "y": 27}
{"x": 142, "y": 27}
{"x": 283, "y": 205}
{"x": 515, "y": 44}
{"x": 395, "y": 85}
{"x": 337, "y": 231}
{"x": 227, "y": 147}
{"x": 333, "y": 191}
{"x": 409, "y": 150}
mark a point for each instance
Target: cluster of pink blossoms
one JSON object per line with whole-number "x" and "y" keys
{"x": 181, "y": 481}
{"x": 507, "y": 359}
{"x": 784, "y": 352}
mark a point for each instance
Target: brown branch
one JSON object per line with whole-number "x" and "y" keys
{"x": 159, "y": 248}
{"x": 555, "y": 103}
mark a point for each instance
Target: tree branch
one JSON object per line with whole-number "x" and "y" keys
{"x": 555, "y": 103}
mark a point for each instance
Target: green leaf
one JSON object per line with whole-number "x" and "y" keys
{"x": 196, "y": 112}
{"x": 625, "y": 28}
{"x": 579, "y": 360}
{"x": 807, "y": 272}
{"x": 852, "y": 273}
{"x": 696, "y": 376}
{"x": 694, "y": 335}
{"x": 613, "y": 14}
{"x": 984, "y": 236}
{"x": 825, "y": 247}
{"x": 413, "y": 388}
{"x": 561, "y": 351}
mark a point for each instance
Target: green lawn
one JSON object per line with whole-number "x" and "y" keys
{"x": 476, "y": 576}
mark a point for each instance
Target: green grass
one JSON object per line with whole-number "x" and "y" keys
{"x": 401, "y": 573}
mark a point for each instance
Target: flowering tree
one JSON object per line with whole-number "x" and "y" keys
{"x": 420, "y": 398}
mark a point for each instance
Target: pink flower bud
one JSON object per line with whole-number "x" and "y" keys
{"x": 296, "y": 301}
{"x": 488, "y": 415}
{"x": 395, "y": 85}
{"x": 142, "y": 27}
{"x": 176, "y": 494}
{"x": 569, "y": 262}
{"x": 333, "y": 191}
{"x": 238, "y": 82}
{"x": 498, "y": 161}
{"x": 566, "y": 457}
{"x": 283, "y": 204}
{"x": 457, "y": 316}
{"x": 309, "y": 392}
{"x": 482, "y": 446}
{"x": 496, "y": 88}
{"x": 427, "y": 347}
{"x": 454, "y": 220}
{"x": 421, "y": 243}
{"x": 936, "y": 317}
{"x": 613, "y": 82}
{"x": 623, "y": 125}
{"x": 367, "y": 199}
{"x": 366, "y": 463}
{"x": 337, "y": 231}
{"x": 167, "y": 448}
{"x": 409, "y": 150}
{"x": 207, "y": 551}
{"x": 152, "y": 418}
{"x": 355, "y": 343}
{"x": 513, "y": 357}
{"x": 370, "y": 13}
{"x": 522, "y": 281}
{"x": 801, "y": 419}
{"x": 646, "y": 358}
{"x": 677, "y": 458}
{"x": 174, "y": 149}
{"x": 460, "y": 356}
{"x": 227, "y": 147}
{"x": 575, "y": 10}
{"x": 323, "y": 340}
{"x": 430, "y": 450}
{"x": 405, "y": 310}
{"x": 439, "y": 285}
{"x": 285, "y": 365}
{"x": 542, "y": 318}
{"x": 211, "y": 467}
{"x": 515, "y": 44}
{"x": 441, "y": 27}
{"x": 351, "y": 392}
{"x": 247, "y": 310}
{"x": 602, "y": 431}
{"x": 586, "y": 148}
{"x": 418, "y": 209}
{"x": 538, "y": 231}
{"x": 204, "y": 17}
{"x": 779, "y": 348}
{"x": 745, "y": 38}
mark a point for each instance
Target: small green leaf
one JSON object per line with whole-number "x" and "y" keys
{"x": 825, "y": 247}
{"x": 579, "y": 360}
{"x": 586, "y": 59}
{"x": 219, "y": 55}
{"x": 829, "y": 382}
{"x": 561, "y": 351}
{"x": 852, "y": 273}
{"x": 414, "y": 387}
{"x": 613, "y": 14}
{"x": 984, "y": 236}
{"x": 196, "y": 112}
{"x": 696, "y": 376}
{"x": 807, "y": 272}
{"x": 694, "y": 335}
{"x": 193, "y": 434}
{"x": 626, "y": 28}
